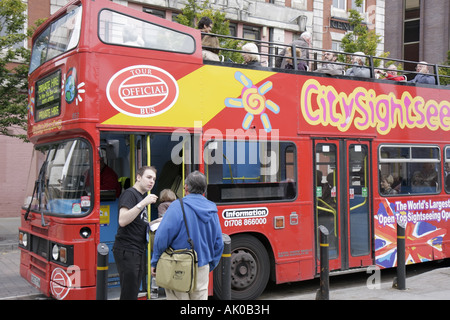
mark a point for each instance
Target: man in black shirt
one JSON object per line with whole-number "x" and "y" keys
{"x": 131, "y": 238}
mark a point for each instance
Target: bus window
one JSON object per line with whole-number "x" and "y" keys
{"x": 414, "y": 169}
{"x": 119, "y": 29}
{"x": 64, "y": 184}
{"x": 59, "y": 37}
{"x": 447, "y": 170}
{"x": 239, "y": 171}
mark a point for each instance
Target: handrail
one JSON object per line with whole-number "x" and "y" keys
{"x": 314, "y": 52}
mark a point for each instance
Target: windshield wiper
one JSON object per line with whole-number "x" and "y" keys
{"x": 38, "y": 188}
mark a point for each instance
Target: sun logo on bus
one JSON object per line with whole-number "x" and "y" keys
{"x": 70, "y": 89}
{"x": 253, "y": 101}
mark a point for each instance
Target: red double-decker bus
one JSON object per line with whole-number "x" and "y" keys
{"x": 284, "y": 152}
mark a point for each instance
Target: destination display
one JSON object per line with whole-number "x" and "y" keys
{"x": 48, "y": 97}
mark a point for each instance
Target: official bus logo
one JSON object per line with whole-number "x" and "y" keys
{"x": 60, "y": 284}
{"x": 142, "y": 91}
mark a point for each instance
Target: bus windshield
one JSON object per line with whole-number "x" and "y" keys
{"x": 59, "y": 37}
{"x": 64, "y": 180}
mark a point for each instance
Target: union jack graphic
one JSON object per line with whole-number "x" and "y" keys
{"x": 423, "y": 239}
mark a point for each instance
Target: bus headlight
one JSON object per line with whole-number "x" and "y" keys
{"x": 55, "y": 252}
{"x": 62, "y": 254}
{"x": 23, "y": 239}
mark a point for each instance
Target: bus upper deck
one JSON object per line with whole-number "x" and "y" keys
{"x": 152, "y": 41}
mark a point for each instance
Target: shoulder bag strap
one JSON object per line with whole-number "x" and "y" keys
{"x": 185, "y": 223}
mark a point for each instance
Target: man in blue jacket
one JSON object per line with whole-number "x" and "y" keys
{"x": 204, "y": 229}
{"x": 423, "y": 76}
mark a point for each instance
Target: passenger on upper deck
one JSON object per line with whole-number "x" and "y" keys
{"x": 301, "y": 65}
{"x": 358, "y": 69}
{"x": 391, "y": 74}
{"x": 423, "y": 75}
{"x": 304, "y": 41}
{"x": 328, "y": 66}
{"x": 211, "y": 53}
{"x": 251, "y": 56}
{"x": 205, "y": 25}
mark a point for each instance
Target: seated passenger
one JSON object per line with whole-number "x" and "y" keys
{"x": 166, "y": 197}
{"x": 211, "y": 52}
{"x": 358, "y": 69}
{"x": 423, "y": 75}
{"x": 205, "y": 25}
{"x": 304, "y": 42}
{"x": 425, "y": 180}
{"x": 386, "y": 185}
{"x": 251, "y": 55}
{"x": 328, "y": 67}
{"x": 391, "y": 74}
{"x": 301, "y": 65}
{"x": 109, "y": 179}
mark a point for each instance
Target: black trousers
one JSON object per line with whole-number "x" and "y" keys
{"x": 131, "y": 268}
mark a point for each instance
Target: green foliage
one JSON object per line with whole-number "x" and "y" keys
{"x": 195, "y": 10}
{"x": 445, "y": 71}
{"x": 361, "y": 38}
{"x": 13, "y": 71}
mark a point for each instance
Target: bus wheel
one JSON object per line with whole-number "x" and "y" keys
{"x": 250, "y": 269}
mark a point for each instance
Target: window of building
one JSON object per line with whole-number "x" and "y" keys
{"x": 233, "y": 29}
{"x": 340, "y": 4}
{"x": 251, "y": 33}
{"x": 336, "y": 46}
{"x": 155, "y": 12}
{"x": 411, "y": 33}
{"x": 359, "y": 9}
{"x": 174, "y": 16}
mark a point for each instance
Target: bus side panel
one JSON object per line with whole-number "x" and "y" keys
{"x": 426, "y": 230}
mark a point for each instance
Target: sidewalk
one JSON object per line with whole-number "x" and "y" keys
{"x": 12, "y": 285}
{"x": 429, "y": 285}
{"x": 9, "y": 233}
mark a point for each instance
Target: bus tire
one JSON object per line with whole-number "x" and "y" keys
{"x": 250, "y": 269}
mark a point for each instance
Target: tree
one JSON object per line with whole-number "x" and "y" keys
{"x": 361, "y": 38}
{"x": 445, "y": 71}
{"x": 195, "y": 10}
{"x": 14, "y": 60}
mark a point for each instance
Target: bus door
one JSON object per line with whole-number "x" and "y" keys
{"x": 125, "y": 153}
{"x": 342, "y": 201}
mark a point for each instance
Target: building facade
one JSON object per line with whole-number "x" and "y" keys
{"x": 418, "y": 30}
{"x": 273, "y": 20}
